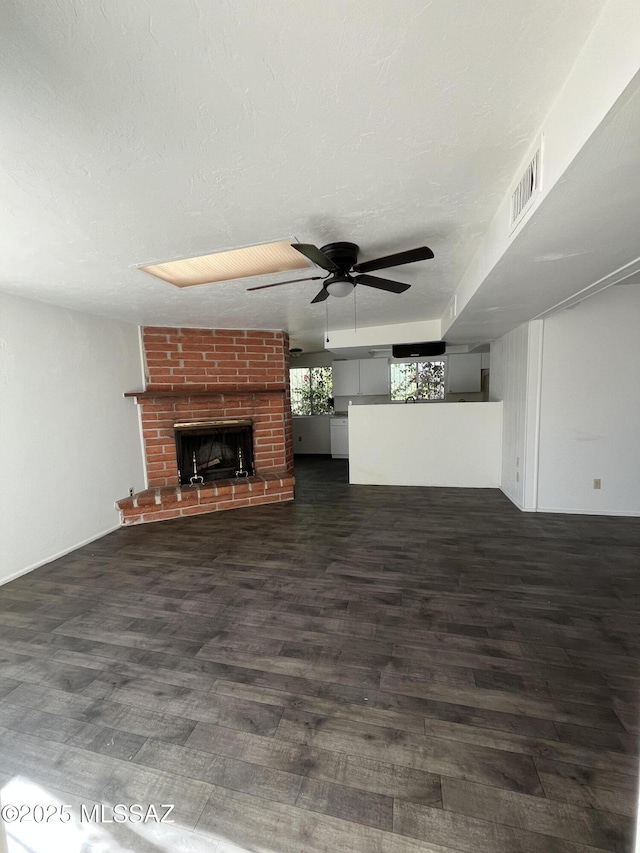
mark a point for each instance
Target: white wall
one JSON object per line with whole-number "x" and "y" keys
{"x": 69, "y": 443}
{"x": 590, "y": 411}
{"x": 382, "y": 336}
{"x": 437, "y": 444}
{"x": 515, "y": 379}
{"x": 313, "y": 359}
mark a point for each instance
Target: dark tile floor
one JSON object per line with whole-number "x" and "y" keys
{"x": 369, "y": 669}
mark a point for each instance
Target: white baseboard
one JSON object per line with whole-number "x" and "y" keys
{"x": 618, "y": 514}
{"x": 62, "y": 553}
{"x": 517, "y": 503}
{"x": 563, "y": 511}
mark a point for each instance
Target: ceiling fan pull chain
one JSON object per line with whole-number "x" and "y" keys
{"x": 355, "y": 311}
{"x": 326, "y": 305}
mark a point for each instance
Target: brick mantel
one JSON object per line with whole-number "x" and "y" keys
{"x": 201, "y": 374}
{"x": 195, "y": 391}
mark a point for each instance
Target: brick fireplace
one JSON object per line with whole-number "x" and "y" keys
{"x": 200, "y": 380}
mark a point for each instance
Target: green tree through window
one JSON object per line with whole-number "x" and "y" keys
{"x": 420, "y": 380}
{"x": 311, "y": 388}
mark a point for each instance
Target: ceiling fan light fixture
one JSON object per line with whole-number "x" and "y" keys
{"x": 340, "y": 286}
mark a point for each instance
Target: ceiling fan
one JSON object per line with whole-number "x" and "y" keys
{"x": 341, "y": 262}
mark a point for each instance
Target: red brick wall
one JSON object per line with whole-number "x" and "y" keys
{"x": 209, "y": 359}
{"x": 213, "y": 357}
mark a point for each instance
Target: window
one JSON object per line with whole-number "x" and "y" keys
{"x": 417, "y": 380}
{"x": 311, "y": 388}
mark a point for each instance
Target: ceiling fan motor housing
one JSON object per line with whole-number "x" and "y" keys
{"x": 343, "y": 255}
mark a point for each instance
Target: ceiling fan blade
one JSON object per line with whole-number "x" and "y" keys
{"x": 314, "y": 254}
{"x": 382, "y": 283}
{"x": 289, "y": 281}
{"x": 324, "y": 294}
{"x": 423, "y": 253}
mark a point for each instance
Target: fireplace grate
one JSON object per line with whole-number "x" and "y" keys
{"x": 214, "y": 450}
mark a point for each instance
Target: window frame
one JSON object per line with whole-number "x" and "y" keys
{"x": 310, "y": 370}
{"x": 437, "y": 359}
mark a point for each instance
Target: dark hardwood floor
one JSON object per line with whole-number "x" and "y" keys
{"x": 368, "y": 669}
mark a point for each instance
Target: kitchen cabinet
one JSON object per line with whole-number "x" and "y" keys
{"x": 311, "y": 434}
{"x": 366, "y": 376}
{"x": 346, "y": 378}
{"x": 374, "y": 376}
{"x": 463, "y": 373}
{"x": 340, "y": 438}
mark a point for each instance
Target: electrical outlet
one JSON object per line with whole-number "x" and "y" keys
{"x": 130, "y": 491}
{"x": 597, "y": 484}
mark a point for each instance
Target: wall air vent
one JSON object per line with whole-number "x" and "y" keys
{"x": 527, "y": 190}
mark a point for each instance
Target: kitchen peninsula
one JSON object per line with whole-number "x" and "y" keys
{"x": 426, "y": 444}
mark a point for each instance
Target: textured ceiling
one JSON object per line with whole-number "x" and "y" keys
{"x": 140, "y": 131}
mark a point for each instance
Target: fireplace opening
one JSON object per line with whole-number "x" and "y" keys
{"x": 214, "y": 450}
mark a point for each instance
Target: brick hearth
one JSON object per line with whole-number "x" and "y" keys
{"x": 204, "y": 374}
{"x": 174, "y": 501}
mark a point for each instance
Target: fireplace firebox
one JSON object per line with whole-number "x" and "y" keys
{"x": 214, "y": 450}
